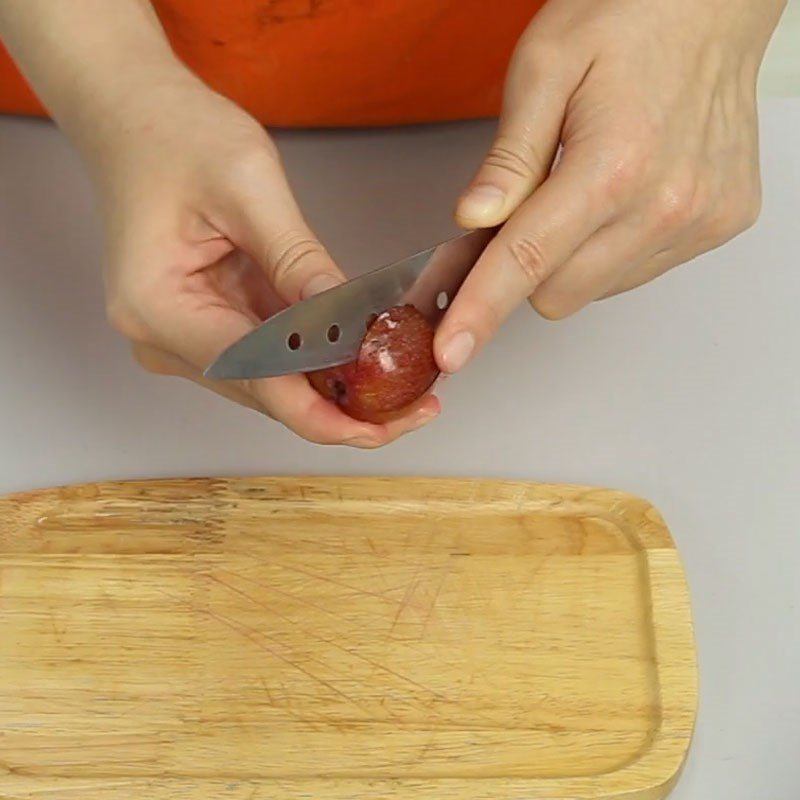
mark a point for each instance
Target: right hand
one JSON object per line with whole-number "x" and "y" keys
{"x": 205, "y": 242}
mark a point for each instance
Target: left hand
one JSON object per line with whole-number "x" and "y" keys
{"x": 654, "y": 104}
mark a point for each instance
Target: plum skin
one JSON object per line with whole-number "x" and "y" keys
{"x": 395, "y": 367}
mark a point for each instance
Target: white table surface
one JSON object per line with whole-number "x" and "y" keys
{"x": 686, "y": 392}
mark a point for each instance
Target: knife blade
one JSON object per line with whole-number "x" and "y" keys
{"x": 327, "y": 330}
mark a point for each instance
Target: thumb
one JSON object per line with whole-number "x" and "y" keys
{"x": 268, "y": 225}
{"x": 528, "y": 134}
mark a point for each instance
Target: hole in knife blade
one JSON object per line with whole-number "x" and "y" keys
{"x": 334, "y": 332}
{"x": 295, "y": 341}
{"x": 442, "y": 301}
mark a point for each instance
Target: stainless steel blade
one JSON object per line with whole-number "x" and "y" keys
{"x": 327, "y": 329}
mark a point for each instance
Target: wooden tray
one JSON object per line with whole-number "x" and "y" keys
{"x": 340, "y": 639}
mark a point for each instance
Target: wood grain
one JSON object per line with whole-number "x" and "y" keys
{"x": 341, "y": 638}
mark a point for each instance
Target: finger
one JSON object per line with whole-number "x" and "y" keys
{"x": 294, "y": 402}
{"x": 702, "y": 236}
{"x": 527, "y": 139}
{"x": 654, "y": 267}
{"x": 595, "y": 267}
{"x": 663, "y": 261}
{"x": 263, "y": 218}
{"x": 545, "y": 231}
{"x": 160, "y": 362}
{"x": 198, "y": 336}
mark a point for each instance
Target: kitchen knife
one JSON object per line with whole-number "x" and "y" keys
{"x": 326, "y": 330}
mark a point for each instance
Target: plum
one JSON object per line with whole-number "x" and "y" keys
{"x": 394, "y": 368}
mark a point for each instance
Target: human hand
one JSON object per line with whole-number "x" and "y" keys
{"x": 654, "y": 105}
{"x": 206, "y": 241}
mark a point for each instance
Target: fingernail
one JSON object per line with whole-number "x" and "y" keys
{"x": 457, "y": 351}
{"x": 482, "y": 201}
{"x": 422, "y": 419}
{"x": 361, "y": 441}
{"x": 318, "y": 284}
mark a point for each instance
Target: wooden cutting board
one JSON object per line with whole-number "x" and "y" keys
{"x": 341, "y": 639}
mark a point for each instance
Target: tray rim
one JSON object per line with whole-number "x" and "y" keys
{"x": 673, "y": 638}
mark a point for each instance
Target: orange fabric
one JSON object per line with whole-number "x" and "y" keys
{"x": 337, "y": 62}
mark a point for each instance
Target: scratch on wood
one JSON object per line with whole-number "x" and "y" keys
{"x": 410, "y": 589}
{"x": 246, "y": 632}
{"x": 266, "y": 690}
{"x": 325, "y": 640}
{"x": 340, "y": 584}
{"x": 432, "y": 608}
{"x": 297, "y": 597}
{"x": 210, "y": 576}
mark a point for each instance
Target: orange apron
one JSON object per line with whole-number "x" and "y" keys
{"x": 337, "y": 62}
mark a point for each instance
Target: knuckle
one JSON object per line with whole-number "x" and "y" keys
{"x": 624, "y": 170}
{"x": 680, "y": 203}
{"x": 290, "y": 252}
{"x": 732, "y": 218}
{"x": 516, "y": 156}
{"x": 671, "y": 211}
{"x": 529, "y": 257}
